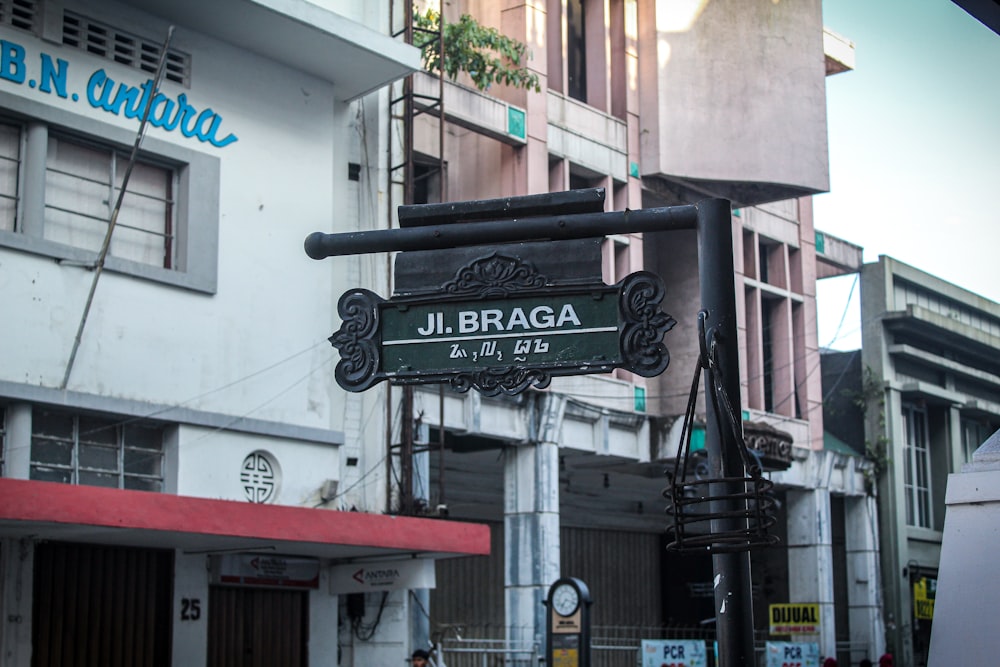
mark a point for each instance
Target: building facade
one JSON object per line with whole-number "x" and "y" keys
{"x": 659, "y": 107}
{"x": 932, "y": 386}
{"x": 181, "y": 481}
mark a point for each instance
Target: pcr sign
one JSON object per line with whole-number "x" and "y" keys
{"x": 789, "y": 654}
{"x": 673, "y": 653}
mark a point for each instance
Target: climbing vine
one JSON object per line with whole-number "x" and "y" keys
{"x": 871, "y": 401}
{"x": 485, "y": 54}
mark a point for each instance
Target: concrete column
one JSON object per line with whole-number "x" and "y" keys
{"x": 17, "y": 559}
{"x": 420, "y": 598}
{"x": 324, "y": 609}
{"x": 17, "y": 445}
{"x": 531, "y": 522}
{"x": 956, "y": 451}
{"x": 190, "y": 637}
{"x": 810, "y": 559}
{"x": 631, "y": 96}
{"x": 894, "y": 546}
{"x": 33, "y": 189}
{"x": 388, "y": 644}
{"x": 527, "y": 166}
{"x": 596, "y": 19}
{"x": 864, "y": 585}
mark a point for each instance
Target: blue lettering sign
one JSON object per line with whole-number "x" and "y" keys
{"x": 12, "y": 61}
{"x": 53, "y": 74}
{"x": 119, "y": 99}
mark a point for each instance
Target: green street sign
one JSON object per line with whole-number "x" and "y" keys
{"x": 501, "y": 335}
{"x": 576, "y": 329}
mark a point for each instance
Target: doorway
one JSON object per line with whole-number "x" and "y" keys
{"x": 257, "y": 627}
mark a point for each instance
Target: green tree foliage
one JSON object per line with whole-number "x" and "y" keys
{"x": 484, "y": 53}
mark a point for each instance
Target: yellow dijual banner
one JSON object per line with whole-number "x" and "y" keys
{"x": 798, "y": 618}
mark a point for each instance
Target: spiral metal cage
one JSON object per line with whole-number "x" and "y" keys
{"x": 691, "y": 506}
{"x": 721, "y": 514}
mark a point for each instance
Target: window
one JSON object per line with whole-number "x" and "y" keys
{"x": 767, "y": 351}
{"x": 576, "y": 51}
{"x": 19, "y": 14}
{"x": 974, "y": 434}
{"x": 124, "y": 48}
{"x": 82, "y": 186}
{"x": 427, "y": 181}
{"x": 60, "y": 177}
{"x": 3, "y": 438}
{"x": 765, "y": 261}
{"x": 10, "y": 165}
{"x": 94, "y": 451}
{"x": 916, "y": 466}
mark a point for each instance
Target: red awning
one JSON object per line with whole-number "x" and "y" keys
{"x": 48, "y": 510}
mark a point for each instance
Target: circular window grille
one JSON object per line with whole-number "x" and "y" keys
{"x": 259, "y": 477}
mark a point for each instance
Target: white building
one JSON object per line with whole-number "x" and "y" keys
{"x": 929, "y": 350}
{"x": 143, "y": 406}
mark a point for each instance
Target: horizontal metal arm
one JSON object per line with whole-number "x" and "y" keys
{"x": 587, "y": 200}
{"x": 544, "y": 228}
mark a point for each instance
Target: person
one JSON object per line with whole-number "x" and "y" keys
{"x": 865, "y": 662}
{"x": 885, "y": 660}
{"x": 830, "y": 662}
{"x": 419, "y": 658}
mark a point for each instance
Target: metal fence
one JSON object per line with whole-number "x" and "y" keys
{"x": 611, "y": 646}
{"x": 473, "y": 652}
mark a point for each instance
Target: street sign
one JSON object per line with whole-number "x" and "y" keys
{"x": 581, "y": 329}
{"x": 499, "y": 327}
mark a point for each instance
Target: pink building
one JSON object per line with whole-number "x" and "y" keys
{"x": 659, "y": 104}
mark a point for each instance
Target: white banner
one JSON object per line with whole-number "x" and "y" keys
{"x": 266, "y": 570}
{"x": 382, "y": 576}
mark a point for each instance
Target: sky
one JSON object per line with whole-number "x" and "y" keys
{"x": 914, "y": 141}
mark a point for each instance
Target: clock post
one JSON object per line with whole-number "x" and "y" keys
{"x": 568, "y": 643}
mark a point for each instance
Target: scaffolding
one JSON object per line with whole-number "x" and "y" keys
{"x": 405, "y": 105}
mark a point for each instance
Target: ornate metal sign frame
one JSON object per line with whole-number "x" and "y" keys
{"x": 498, "y": 280}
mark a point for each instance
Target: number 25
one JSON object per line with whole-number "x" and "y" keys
{"x": 190, "y": 609}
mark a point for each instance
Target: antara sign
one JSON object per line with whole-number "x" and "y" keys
{"x": 498, "y": 326}
{"x": 50, "y": 75}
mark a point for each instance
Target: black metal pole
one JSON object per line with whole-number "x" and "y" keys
{"x": 733, "y": 597}
{"x": 548, "y": 227}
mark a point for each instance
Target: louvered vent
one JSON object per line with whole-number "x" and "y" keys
{"x": 18, "y": 14}
{"x": 122, "y": 47}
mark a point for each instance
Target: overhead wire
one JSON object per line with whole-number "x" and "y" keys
{"x": 239, "y": 418}
{"x": 116, "y": 424}
{"x": 106, "y": 245}
{"x": 158, "y": 412}
{"x": 847, "y": 305}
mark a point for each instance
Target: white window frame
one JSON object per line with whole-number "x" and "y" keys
{"x": 113, "y": 438}
{"x": 107, "y": 165}
{"x": 196, "y": 211}
{"x": 974, "y": 433}
{"x": 917, "y": 467}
